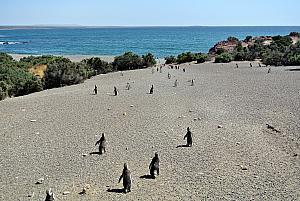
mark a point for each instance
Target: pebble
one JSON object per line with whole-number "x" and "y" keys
{"x": 131, "y": 105}
{"x": 30, "y": 195}
{"x": 195, "y": 119}
{"x": 40, "y": 181}
{"x": 220, "y": 126}
{"x": 295, "y": 154}
{"x": 124, "y": 113}
{"x": 84, "y": 155}
{"x": 66, "y": 192}
{"x": 33, "y": 120}
{"x": 243, "y": 167}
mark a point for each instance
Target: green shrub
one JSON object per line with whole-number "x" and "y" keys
{"x": 294, "y": 34}
{"x": 232, "y": 39}
{"x": 223, "y": 58}
{"x": 17, "y": 81}
{"x": 63, "y": 74}
{"x": 273, "y": 58}
{"x": 99, "y": 66}
{"x": 5, "y": 57}
{"x": 148, "y": 60}
{"x": 185, "y": 57}
{"x": 201, "y": 58}
{"x": 220, "y": 51}
{"x": 170, "y": 59}
{"x": 128, "y": 61}
{"x": 45, "y": 59}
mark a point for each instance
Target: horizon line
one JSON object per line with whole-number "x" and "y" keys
{"x": 132, "y": 26}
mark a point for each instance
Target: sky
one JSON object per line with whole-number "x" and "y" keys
{"x": 150, "y": 12}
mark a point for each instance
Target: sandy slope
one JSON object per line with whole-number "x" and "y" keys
{"x": 70, "y": 120}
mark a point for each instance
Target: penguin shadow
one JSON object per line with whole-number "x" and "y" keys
{"x": 115, "y": 190}
{"x": 95, "y": 153}
{"x": 183, "y": 145}
{"x": 293, "y": 70}
{"x": 147, "y": 176}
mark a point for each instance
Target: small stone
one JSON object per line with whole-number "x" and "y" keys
{"x": 238, "y": 143}
{"x": 30, "y": 195}
{"x": 33, "y": 120}
{"x": 195, "y": 119}
{"x": 179, "y": 117}
{"x": 199, "y": 118}
{"x": 108, "y": 108}
{"x": 295, "y": 154}
{"x": 40, "y": 181}
{"x": 84, "y": 155}
{"x": 131, "y": 105}
{"x": 66, "y": 192}
{"x": 165, "y": 131}
{"x": 220, "y": 126}
{"x": 23, "y": 110}
{"x": 183, "y": 116}
{"x": 191, "y": 111}
{"x": 243, "y": 167}
{"x": 124, "y": 113}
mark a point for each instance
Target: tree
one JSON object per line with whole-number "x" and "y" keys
{"x": 148, "y": 60}
{"x": 223, "y": 58}
{"x": 128, "y": 61}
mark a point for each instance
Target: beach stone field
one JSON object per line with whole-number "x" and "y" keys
{"x": 245, "y": 124}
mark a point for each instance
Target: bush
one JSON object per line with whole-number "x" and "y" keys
{"x": 148, "y": 60}
{"x": 5, "y": 57}
{"x": 223, "y": 58}
{"x": 16, "y": 81}
{"x": 294, "y": 34}
{"x": 63, "y": 74}
{"x": 99, "y": 66}
{"x": 292, "y": 56}
{"x": 201, "y": 58}
{"x": 273, "y": 58}
{"x": 185, "y": 57}
{"x": 170, "y": 59}
{"x": 220, "y": 51}
{"x": 128, "y": 61}
{"x": 46, "y": 59}
{"x": 232, "y": 39}
{"x": 248, "y": 38}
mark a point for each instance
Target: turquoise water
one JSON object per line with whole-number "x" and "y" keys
{"x": 161, "y": 41}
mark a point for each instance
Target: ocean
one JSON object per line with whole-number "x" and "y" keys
{"x": 161, "y": 41}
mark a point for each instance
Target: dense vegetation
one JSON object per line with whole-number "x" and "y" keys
{"x": 187, "y": 57}
{"x": 130, "y": 61}
{"x": 280, "y": 51}
{"x": 16, "y": 79}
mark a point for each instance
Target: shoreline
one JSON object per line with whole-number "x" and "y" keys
{"x": 76, "y": 58}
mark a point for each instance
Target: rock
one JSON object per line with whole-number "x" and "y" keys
{"x": 30, "y": 195}
{"x": 33, "y": 120}
{"x": 40, "y": 181}
{"x": 238, "y": 143}
{"x": 220, "y": 126}
{"x": 243, "y": 167}
{"x": 199, "y": 118}
{"x": 195, "y": 119}
{"x": 66, "y": 192}
{"x": 124, "y": 113}
{"x": 165, "y": 132}
{"x": 131, "y": 105}
{"x": 108, "y": 108}
{"x": 191, "y": 111}
{"x": 295, "y": 154}
{"x": 84, "y": 155}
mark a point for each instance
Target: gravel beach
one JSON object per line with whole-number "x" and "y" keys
{"x": 49, "y": 135}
